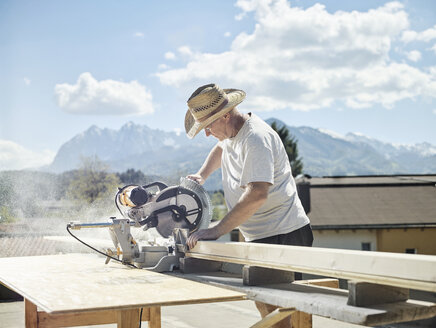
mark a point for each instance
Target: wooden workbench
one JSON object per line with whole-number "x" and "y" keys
{"x": 79, "y": 289}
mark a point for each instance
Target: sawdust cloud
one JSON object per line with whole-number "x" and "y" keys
{"x": 40, "y": 216}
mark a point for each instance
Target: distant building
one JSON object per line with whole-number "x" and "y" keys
{"x": 395, "y": 213}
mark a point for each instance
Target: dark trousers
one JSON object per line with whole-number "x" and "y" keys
{"x": 299, "y": 237}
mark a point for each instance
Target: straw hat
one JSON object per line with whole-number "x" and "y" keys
{"x": 207, "y": 104}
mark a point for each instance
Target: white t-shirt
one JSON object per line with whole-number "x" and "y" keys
{"x": 257, "y": 154}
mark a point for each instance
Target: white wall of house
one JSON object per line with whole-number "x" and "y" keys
{"x": 345, "y": 239}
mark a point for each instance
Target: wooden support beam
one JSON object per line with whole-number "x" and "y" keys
{"x": 302, "y": 319}
{"x": 41, "y": 319}
{"x": 402, "y": 270}
{"x": 274, "y": 317}
{"x": 46, "y": 320}
{"x": 30, "y": 314}
{"x": 146, "y": 314}
{"x": 128, "y": 318}
{"x": 255, "y": 276}
{"x": 366, "y": 294}
{"x": 155, "y": 317}
{"x": 191, "y": 265}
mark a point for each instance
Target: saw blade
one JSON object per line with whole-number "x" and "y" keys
{"x": 192, "y": 199}
{"x": 206, "y": 203}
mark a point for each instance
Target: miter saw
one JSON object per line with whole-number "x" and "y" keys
{"x": 173, "y": 211}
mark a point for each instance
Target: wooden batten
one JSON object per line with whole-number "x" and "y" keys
{"x": 402, "y": 270}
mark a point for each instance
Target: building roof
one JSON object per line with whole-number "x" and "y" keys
{"x": 371, "y": 180}
{"x": 373, "y": 201}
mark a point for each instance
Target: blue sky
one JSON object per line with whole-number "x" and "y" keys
{"x": 344, "y": 66}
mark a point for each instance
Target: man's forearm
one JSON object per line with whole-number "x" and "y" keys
{"x": 251, "y": 200}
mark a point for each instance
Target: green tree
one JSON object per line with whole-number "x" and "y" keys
{"x": 219, "y": 207}
{"x": 218, "y": 198}
{"x": 132, "y": 176}
{"x": 8, "y": 198}
{"x": 291, "y": 148}
{"x": 5, "y": 215}
{"x": 93, "y": 182}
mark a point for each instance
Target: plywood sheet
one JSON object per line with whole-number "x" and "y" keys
{"x": 82, "y": 282}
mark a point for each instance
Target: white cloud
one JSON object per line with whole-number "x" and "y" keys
{"x": 185, "y": 51}
{"x": 434, "y": 111}
{"x": 433, "y": 48}
{"x": 163, "y": 66}
{"x": 26, "y": 81}
{"x": 309, "y": 58}
{"x": 227, "y": 34}
{"x": 106, "y": 97}
{"x": 170, "y": 55}
{"x": 138, "y": 35}
{"x": 413, "y": 55}
{"x": 424, "y": 36}
{"x": 178, "y": 131}
{"x": 15, "y": 157}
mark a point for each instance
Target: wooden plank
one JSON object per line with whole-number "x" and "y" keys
{"x": 30, "y": 314}
{"x": 82, "y": 282}
{"x": 274, "y": 317}
{"x": 403, "y": 270}
{"x": 323, "y": 301}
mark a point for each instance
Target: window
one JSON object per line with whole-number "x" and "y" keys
{"x": 366, "y": 246}
{"x": 411, "y": 251}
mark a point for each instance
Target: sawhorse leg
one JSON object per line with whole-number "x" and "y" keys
{"x": 274, "y": 317}
{"x": 151, "y": 314}
{"x": 304, "y": 320}
{"x": 30, "y": 314}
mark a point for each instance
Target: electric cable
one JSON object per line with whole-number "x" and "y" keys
{"x": 96, "y": 250}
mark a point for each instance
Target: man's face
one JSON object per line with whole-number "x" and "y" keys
{"x": 217, "y": 128}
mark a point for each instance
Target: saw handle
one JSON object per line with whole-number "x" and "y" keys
{"x": 160, "y": 185}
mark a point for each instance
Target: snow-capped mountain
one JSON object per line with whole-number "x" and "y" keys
{"x": 132, "y": 146}
{"x": 163, "y": 153}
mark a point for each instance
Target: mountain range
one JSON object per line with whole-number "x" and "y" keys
{"x": 163, "y": 153}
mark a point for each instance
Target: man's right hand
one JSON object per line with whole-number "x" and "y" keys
{"x": 197, "y": 178}
{"x": 202, "y": 234}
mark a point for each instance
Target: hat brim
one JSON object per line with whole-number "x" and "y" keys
{"x": 193, "y": 127}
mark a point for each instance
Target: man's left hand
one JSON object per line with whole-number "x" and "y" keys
{"x": 203, "y": 234}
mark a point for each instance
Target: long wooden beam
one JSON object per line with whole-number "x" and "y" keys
{"x": 403, "y": 270}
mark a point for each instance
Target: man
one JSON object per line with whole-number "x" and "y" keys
{"x": 259, "y": 189}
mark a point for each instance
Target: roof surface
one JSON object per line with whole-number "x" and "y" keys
{"x": 374, "y": 201}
